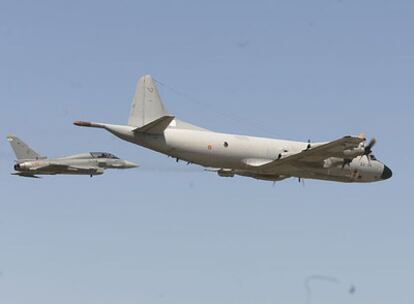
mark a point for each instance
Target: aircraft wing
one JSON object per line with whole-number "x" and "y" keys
{"x": 319, "y": 153}
{"x": 72, "y": 168}
{"x": 56, "y": 167}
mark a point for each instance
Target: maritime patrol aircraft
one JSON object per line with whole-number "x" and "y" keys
{"x": 347, "y": 159}
{"x": 30, "y": 163}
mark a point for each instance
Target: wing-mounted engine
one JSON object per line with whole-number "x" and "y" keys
{"x": 333, "y": 162}
{"x": 361, "y": 150}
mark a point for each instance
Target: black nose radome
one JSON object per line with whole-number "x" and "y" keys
{"x": 386, "y": 173}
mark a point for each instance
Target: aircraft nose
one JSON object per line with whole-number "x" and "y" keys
{"x": 128, "y": 164}
{"x": 386, "y": 173}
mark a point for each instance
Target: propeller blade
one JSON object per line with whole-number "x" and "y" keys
{"x": 368, "y": 148}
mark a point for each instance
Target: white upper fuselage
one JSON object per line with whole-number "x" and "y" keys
{"x": 151, "y": 126}
{"x": 239, "y": 154}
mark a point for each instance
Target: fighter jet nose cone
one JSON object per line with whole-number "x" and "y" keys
{"x": 386, "y": 173}
{"x": 129, "y": 165}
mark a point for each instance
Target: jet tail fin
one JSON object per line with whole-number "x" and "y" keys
{"x": 22, "y": 150}
{"x": 146, "y": 106}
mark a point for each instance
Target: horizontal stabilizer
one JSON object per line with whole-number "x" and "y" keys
{"x": 155, "y": 127}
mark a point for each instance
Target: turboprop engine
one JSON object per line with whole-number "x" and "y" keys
{"x": 332, "y": 162}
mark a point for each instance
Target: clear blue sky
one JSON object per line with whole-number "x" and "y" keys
{"x": 168, "y": 233}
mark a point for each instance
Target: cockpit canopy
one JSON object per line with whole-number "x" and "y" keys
{"x": 372, "y": 157}
{"x": 103, "y": 155}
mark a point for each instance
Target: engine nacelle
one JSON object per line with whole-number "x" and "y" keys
{"x": 350, "y": 154}
{"x": 332, "y": 162}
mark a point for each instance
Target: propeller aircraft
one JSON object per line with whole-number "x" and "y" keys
{"x": 348, "y": 159}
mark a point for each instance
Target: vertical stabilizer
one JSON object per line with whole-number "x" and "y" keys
{"x": 22, "y": 150}
{"x": 146, "y": 105}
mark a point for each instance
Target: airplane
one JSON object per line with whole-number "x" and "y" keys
{"x": 347, "y": 159}
{"x": 30, "y": 163}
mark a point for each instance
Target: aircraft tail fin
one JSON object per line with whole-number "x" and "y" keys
{"x": 146, "y": 106}
{"x": 22, "y": 150}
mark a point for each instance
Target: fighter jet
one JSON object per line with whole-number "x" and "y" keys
{"x": 30, "y": 163}
{"x": 347, "y": 159}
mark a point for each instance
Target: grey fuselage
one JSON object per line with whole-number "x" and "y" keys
{"x": 79, "y": 164}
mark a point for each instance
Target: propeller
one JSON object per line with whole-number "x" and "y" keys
{"x": 368, "y": 148}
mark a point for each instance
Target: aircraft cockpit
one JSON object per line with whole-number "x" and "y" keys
{"x": 103, "y": 155}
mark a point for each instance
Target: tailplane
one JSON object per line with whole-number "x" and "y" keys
{"x": 156, "y": 126}
{"x": 22, "y": 150}
{"x": 147, "y": 105}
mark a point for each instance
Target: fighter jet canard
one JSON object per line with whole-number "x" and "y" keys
{"x": 30, "y": 163}
{"x": 347, "y": 159}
